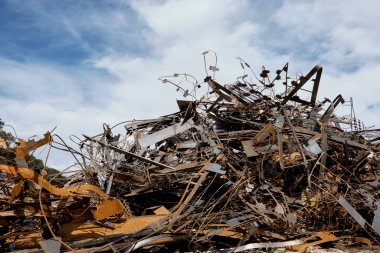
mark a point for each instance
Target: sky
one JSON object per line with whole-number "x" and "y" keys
{"x": 75, "y": 65}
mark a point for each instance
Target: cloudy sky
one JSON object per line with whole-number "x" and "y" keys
{"x": 79, "y": 64}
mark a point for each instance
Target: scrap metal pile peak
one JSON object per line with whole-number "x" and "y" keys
{"x": 250, "y": 164}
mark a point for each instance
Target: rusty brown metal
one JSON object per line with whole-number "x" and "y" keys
{"x": 27, "y": 174}
{"x": 26, "y": 147}
{"x": 108, "y": 208}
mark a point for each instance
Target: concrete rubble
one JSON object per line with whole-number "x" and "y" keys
{"x": 256, "y": 164}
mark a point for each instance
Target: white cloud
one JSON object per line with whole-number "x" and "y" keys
{"x": 39, "y": 97}
{"x": 361, "y": 86}
{"x": 343, "y": 32}
{"x": 30, "y": 82}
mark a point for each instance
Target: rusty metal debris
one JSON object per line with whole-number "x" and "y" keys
{"x": 251, "y": 164}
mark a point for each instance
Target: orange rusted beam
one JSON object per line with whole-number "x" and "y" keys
{"x": 16, "y": 191}
{"x": 108, "y": 208}
{"x": 27, "y": 146}
{"x": 30, "y": 175}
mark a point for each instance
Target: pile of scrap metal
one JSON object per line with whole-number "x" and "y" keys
{"x": 241, "y": 168}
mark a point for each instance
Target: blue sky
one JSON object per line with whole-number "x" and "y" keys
{"x": 77, "y": 64}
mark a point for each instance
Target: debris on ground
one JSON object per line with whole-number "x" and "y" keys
{"x": 243, "y": 167}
